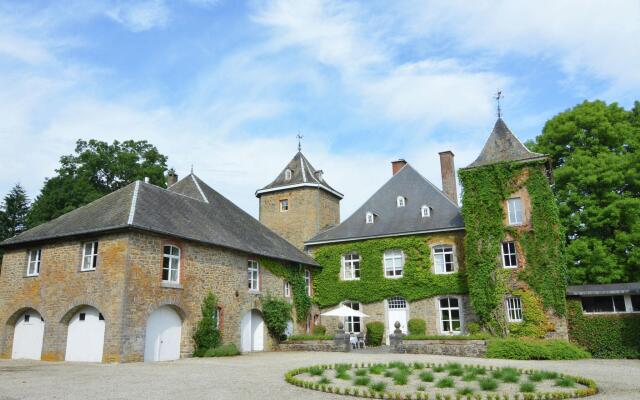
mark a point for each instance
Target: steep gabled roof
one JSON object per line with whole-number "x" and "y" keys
{"x": 391, "y": 220}
{"x": 302, "y": 174}
{"x": 190, "y": 209}
{"x": 502, "y": 145}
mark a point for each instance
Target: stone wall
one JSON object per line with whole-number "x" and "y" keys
{"x": 310, "y": 345}
{"x": 460, "y": 348}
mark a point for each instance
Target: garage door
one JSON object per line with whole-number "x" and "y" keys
{"x": 252, "y": 332}
{"x": 85, "y": 336}
{"x": 164, "y": 331}
{"x": 27, "y": 336}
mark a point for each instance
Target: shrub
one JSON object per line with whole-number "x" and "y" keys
{"x": 533, "y": 349}
{"x": 277, "y": 314}
{"x": 527, "y": 387}
{"x": 438, "y": 368}
{"x": 344, "y": 375}
{"x": 445, "y": 383}
{"x": 316, "y": 371}
{"x": 361, "y": 381}
{"x": 466, "y": 391}
{"x": 456, "y": 372}
{"x": 565, "y": 381}
{"x": 378, "y": 386}
{"x": 361, "y": 372}
{"x": 375, "y": 333}
{"x": 418, "y": 365}
{"x": 510, "y": 375}
{"x": 319, "y": 330}
{"x": 426, "y": 376}
{"x": 417, "y": 326}
{"x": 324, "y": 380}
{"x": 207, "y": 336}
{"x": 469, "y": 376}
{"x": 400, "y": 377}
{"x": 225, "y": 350}
{"x": 473, "y": 328}
{"x": 488, "y": 384}
{"x": 377, "y": 369}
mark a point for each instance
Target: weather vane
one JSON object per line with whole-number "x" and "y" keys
{"x": 299, "y": 136}
{"x": 498, "y": 97}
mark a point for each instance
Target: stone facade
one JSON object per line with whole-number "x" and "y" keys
{"x": 126, "y": 288}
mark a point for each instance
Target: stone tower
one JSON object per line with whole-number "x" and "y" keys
{"x": 299, "y": 203}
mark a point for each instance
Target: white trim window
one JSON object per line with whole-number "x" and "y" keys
{"x": 443, "y": 259}
{"x": 89, "y": 256}
{"x": 604, "y": 304}
{"x": 33, "y": 264}
{"x": 352, "y": 324}
{"x": 515, "y": 211}
{"x": 401, "y": 201}
{"x": 369, "y": 218}
{"x": 287, "y": 289}
{"x": 284, "y": 205}
{"x": 509, "y": 255}
{"x": 425, "y": 211}
{"x": 397, "y": 303}
{"x": 393, "y": 263}
{"x": 450, "y": 315}
{"x": 634, "y": 299}
{"x": 253, "y": 275}
{"x": 307, "y": 281}
{"x": 287, "y": 174}
{"x": 171, "y": 264}
{"x": 350, "y": 267}
{"x": 514, "y": 309}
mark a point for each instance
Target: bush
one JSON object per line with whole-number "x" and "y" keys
{"x": 378, "y": 386}
{"x": 319, "y": 330}
{"x": 417, "y": 326}
{"x": 473, "y": 328}
{"x": 445, "y": 383}
{"x": 375, "y": 333}
{"x": 533, "y": 349}
{"x": 207, "y": 335}
{"x": 426, "y": 376}
{"x": 226, "y": 350}
{"x": 488, "y": 384}
{"x": 401, "y": 377}
{"x": 277, "y": 314}
{"x": 361, "y": 381}
{"x": 527, "y": 387}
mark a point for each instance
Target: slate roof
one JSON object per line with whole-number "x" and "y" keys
{"x": 607, "y": 289}
{"x": 502, "y": 145}
{"x": 189, "y": 209}
{"x": 391, "y": 220}
{"x": 302, "y": 174}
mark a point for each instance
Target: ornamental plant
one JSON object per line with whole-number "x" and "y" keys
{"x": 207, "y": 335}
{"x": 277, "y": 314}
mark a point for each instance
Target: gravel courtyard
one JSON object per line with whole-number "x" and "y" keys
{"x": 254, "y": 376}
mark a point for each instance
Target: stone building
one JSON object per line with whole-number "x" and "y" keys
{"x": 123, "y": 278}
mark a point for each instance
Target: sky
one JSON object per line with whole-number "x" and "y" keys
{"x": 226, "y": 85}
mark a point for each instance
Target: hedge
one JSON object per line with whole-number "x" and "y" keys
{"x": 605, "y": 336}
{"x": 225, "y": 350}
{"x": 534, "y": 349}
{"x": 375, "y": 333}
{"x": 417, "y": 326}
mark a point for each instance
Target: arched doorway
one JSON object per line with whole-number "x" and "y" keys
{"x": 252, "y": 332}
{"x": 27, "y": 336}
{"x": 397, "y": 310}
{"x": 85, "y": 336}
{"x": 163, "y": 335}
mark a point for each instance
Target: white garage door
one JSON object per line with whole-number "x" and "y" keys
{"x": 164, "y": 330}
{"x": 27, "y": 336}
{"x": 85, "y": 336}
{"x": 252, "y": 332}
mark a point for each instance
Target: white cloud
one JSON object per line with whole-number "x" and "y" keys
{"x": 139, "y": 16}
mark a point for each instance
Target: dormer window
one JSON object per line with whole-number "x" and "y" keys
{"x": 287, "y": 174}
{"x": 425, "y": 211}
{"x": 400, "y": 201}
{"x": 369, "y": 218}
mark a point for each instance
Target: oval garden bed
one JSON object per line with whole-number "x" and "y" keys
{"x": 397, "y": 380}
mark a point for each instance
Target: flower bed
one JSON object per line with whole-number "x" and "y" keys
{"x": 397, "y": 380}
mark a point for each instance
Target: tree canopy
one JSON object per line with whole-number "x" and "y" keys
{"x": 594, "y": 150}
{"x": 13, "y": 212}
{"x": 96, "y": 169}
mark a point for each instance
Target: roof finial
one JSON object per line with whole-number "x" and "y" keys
{"x": 498, "y": 97}
{"x": 299, "y": 136}
{"x": 191, "y": 168}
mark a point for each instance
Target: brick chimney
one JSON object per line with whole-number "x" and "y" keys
{"x": 448, "y": 172}
{"x": 172, "y": 177}
{"x": 397, "y": 165}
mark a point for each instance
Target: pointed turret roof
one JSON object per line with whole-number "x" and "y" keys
{"x": 302, "y": 174}
{"x": 502, "y": 145}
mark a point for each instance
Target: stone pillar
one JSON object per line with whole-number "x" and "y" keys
{"x": 341, "y": 339}
{"x": 395, "y": 338}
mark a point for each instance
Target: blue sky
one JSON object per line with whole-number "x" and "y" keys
{"x": 226, "y": 85}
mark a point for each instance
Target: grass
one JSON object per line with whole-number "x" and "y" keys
{"x": 421, "y": 388}
{"x": 476, "y": 370}
{"x": 418, "y": 365}
{"x": 456, "y": 372}
{"x": 324, "y": 380}
{"x": 469, "y": 376}
{"x": 488, "y": 384}
{"x": 362, "y": 372}
{"x": 225, "y": 350}
{"x": 361, "y": 381}
{"x": 378, "y": 386}
{"x": 509, "y": 375}
{"x": 316, "y": 371}
{"x": 342, "y": 367}
{"x": 438, "y": 368}
{"x": 565, "y": 381}
{"x": 527, "y": 387}
{"x": 400, "y": 378}
{"x": 445, "y": 383}
{"x": 344, "y": 375}
{"x": 426, "y": 376}
{"x": 377, "y": 369}
{"x": 465, "y": 391}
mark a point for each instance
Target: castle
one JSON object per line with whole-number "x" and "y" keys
{"x": 122, "y": 279}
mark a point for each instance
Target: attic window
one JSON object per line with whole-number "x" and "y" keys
{"x": 400, "y": 201}
{"x": 425, "y": 211}
{"x": 287, "y": 174}
{"x": 369, "y": 218}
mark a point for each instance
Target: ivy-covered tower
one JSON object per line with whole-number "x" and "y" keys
{"x": 514, "y": 242}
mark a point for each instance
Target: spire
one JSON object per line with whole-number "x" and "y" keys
{"x": 299, "y": 136}
{"x": 498, "y": 97}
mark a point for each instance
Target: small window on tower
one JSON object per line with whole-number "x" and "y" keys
{"x": 369, "y": 218}
{"x": 400, "y": 201}
{"x": 287, "y": 174}
{"x": 425, "y": 211}
{"x": 284, "y": 205}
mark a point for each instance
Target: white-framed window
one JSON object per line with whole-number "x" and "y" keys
{"x": 253, "y": 275}
{"x": 287, "y": 174}
{"x": 425, "y": 211}
{"x": 171, "y": 264}
{"x": 397, "y": 303}
{"x": 401, "y": 201}
{"x": 635, "y": 302}
{"x": 515, "y": 211}
{"x": 284, "y": 205}
{"x": 603, "y": 304}
{"x": 352, "y": 324}
{"x": 514, "y": 309}
{"x": 307, "y": 281}
{"x": 393, "y": 263}
{"x": 443, "y": 259}
{"x": 450, "y": 315}
{"x": 369, "y": 218}
{"x": 287, "y": 289}
{"x": 33, "y": 264}
{"x": 350, "y": 266}
{"x": 509, "y": 255}
{"x": 89, "y": 256}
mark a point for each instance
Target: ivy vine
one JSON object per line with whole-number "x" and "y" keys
{"x": 295, "y": 276}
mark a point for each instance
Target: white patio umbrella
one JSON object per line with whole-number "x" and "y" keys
{"x": 344, "y": 311}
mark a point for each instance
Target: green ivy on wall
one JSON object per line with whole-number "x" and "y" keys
{"x": 485, "y": 190}
{"x": 295, "y": 276}
{"x": 534, "y": 321}
{"x": 418, "y": 282}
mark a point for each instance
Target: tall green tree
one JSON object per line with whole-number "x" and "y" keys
{"x": 96, "y": 169}
{"x": 596, "y": 160}
{"x": 13, "y": 212}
